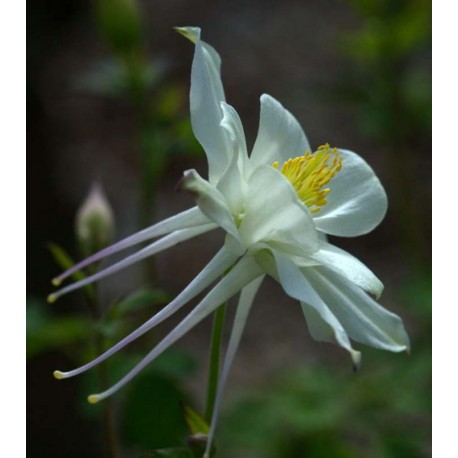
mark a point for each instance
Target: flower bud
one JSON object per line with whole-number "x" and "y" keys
{"x": 94, "y": 223}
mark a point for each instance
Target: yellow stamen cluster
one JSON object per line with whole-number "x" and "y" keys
{"x": 310, "y": 173}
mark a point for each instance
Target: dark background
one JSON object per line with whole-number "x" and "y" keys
{"x": 357, "y": 75}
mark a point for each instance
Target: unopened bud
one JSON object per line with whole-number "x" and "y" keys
{"x": 94, "y": 222}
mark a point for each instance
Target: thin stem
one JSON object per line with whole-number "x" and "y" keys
{"x": 214, "y": 358}
{"x": 109, "y": 424}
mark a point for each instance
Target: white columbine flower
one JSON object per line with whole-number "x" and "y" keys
{"x": 275, "y": 205}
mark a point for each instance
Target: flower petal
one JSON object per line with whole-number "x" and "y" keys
{"x": 206, "y": 96}
{"x": 243, "y": 273}
{"x": 280, "y": 136}
{"x": 156, "y": 247}
{"x": 233, "y": 125}
{"x": 274, "y": 214}
{"x": 364, "y": 319}
{"x": 186, "y": 219}
{"x": 221, "y": 262}
{"x": 243, "y": 309}
{"x": 232, "y": 184}
{"x": 356, "y": 203}
{"x": 210, "y": 201}
{"x": 322, "y": 322}
{"x": 350, "y": 267}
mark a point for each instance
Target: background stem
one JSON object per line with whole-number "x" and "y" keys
{"x": 215, "y": 351}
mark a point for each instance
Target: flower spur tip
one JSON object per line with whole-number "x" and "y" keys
{"x": 356, "y": 358}
{"x": 187, "y": 32}
{"x": 52, "y": 298}
{"x": 58, "y": 375}
{"x": 93, "y": 398}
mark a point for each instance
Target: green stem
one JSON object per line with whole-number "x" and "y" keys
{"x": 109, "y": 422}
{"x": 215, "y": 351}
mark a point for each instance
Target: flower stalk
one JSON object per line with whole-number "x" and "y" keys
{"x": 214, "y": 360}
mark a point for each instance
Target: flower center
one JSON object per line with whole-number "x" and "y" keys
{"x": 310, "y": 173}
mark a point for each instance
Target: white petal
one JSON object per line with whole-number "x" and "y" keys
{"x": 244, "y": 306}
{"x": 206, "y": 96}
{"x": 364, "y": 320}
{"x": 156, "y": 247}
{"x": 322, "y": 322}
{"x": 188, "y": 218}
{"x": 233, "y": 125}
{"x": 357, "y": 202}
{"x": 280, "y": 136}
{"x": 210, "y": 201}
{"x": 350, "y": 267}
{"x": 232, "y": 184}
{"x": 221, "y": 262}
{"x": 241, "y": 275}
{"x": 274, "y": 214}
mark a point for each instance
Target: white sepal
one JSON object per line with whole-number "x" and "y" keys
{"x": 243, "y": 273}
{"x": 243, "y": 308}
{"x": 210, "y": 201}
{"x": 364, "y": 319}
{"x": 205, "y": 97}
{"x": 350, "y": 267}
{"x": 322, "y": 322}
{"x": 220, "y": 263}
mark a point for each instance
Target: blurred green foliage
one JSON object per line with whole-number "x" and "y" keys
{"x": 383, "y": 411}
{"x": 389, "y": 82}
{"x": 316, "y": 410}
{"x": 47, "y": 332}
{"x": 391, "y": 87}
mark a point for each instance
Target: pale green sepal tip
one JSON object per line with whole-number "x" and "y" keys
{"x": 93, "y": 399}
{"x": 191, "y": 33}
{"x": 56, "y": 281}
{"x": 51, "y": 298}
{"x": 58, "y": 375}
{"x": 356, "y": 358}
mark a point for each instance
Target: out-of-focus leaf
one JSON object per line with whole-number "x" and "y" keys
{"x": 64, "y": 260}
{"x": 120, "y": 21}
{"x": 45, "y": 332}
{"x": 177, "y": 452}
{"x": 169, "y": 101}
{"x": 196, "y": 423}
{"x": 109, "y": 78}
{"x": 175, "y": 363}
{"x": 152, "y": 415}
{"x": 108, "y": 329}
{"x": 140, "y": 299}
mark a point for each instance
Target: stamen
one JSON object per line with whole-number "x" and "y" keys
{"x": 310, "y": 173}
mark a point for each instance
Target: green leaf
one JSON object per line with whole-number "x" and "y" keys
{"x": 140, "y": 299}
{"x": 152, "y": 418}
{"x": 45, "y": 332}
{"x": 196, "y": 423}
{"x": 64, "y": 260}
{"x": 176, "y": 452}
